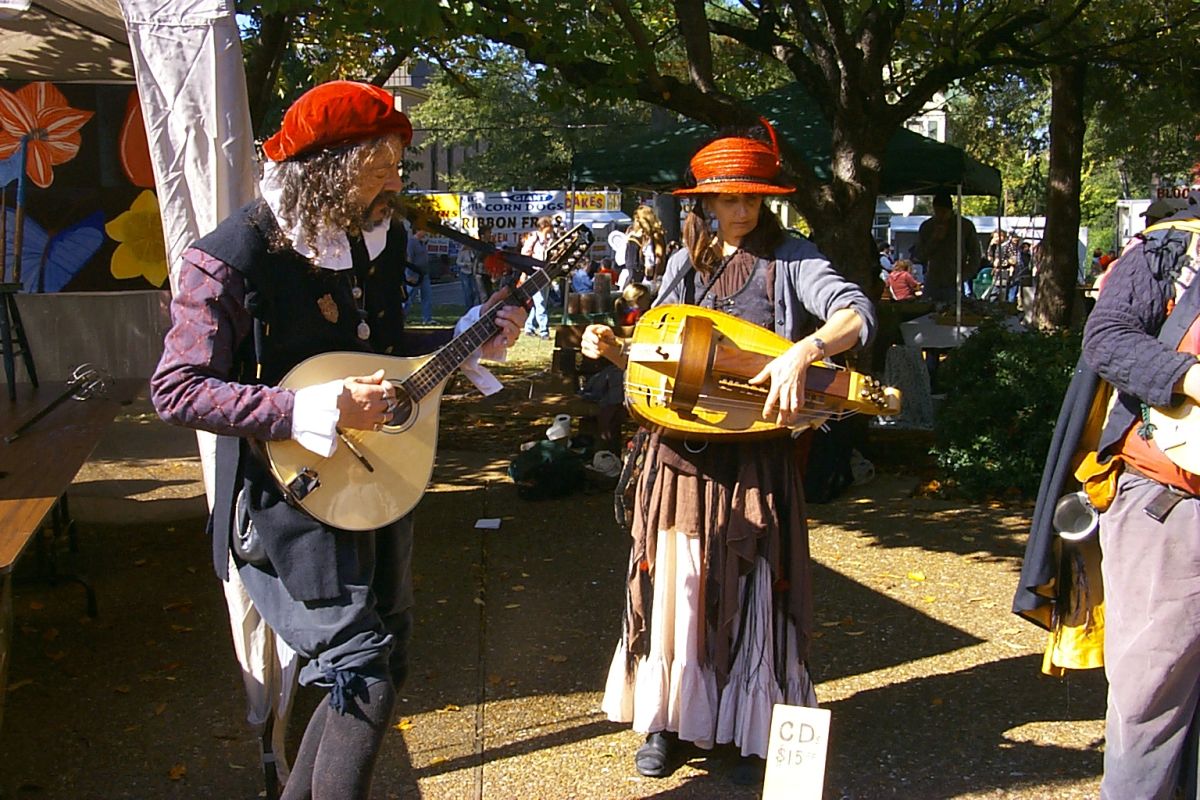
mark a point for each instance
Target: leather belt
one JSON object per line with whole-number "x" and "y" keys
{"x": 1165, "y": 499}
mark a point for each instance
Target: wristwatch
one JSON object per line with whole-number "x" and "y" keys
{"x": 819, "y": 343}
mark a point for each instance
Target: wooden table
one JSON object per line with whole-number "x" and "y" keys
{"x": 36, "y": 469}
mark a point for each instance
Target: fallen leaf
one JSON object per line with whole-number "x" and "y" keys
{"x": 36, "y": 605}
{"x": 443, "y": 601}
{"x": 177, "y": 772}
{"x": 930, "y": 598}
{"x": 122, "y": 689}
{"x": 448, "y": 708}
{"x": 478, "y": 601}
{"x": 57, "y": 655}
{"x": 159, "y": 709}
{"x": 937, "y": 701}
{"x": 916, "y": 576}
{"x": 518, "y": 588}
{"x": 494, "y": 680}
{"x": 854, "y": 633}
{"x": 50, "y": 634}
{"x": 438, "y": 760}
{"x": 141, "y": 562}
{"x": 513, "y": 605}
{"x": 181, "y": 628}
{"x": 12, "y": 687}
{"x": 404, "y": 724}
{"x": 556, "y": 659}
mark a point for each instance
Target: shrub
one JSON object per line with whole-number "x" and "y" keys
{"x": 1003, "y": 392}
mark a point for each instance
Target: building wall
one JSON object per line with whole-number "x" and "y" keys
{"x": 431, "y": 166}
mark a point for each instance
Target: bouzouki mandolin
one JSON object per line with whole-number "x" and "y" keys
{"x": 689, "y": 370}
{"x": 374, "y": 478}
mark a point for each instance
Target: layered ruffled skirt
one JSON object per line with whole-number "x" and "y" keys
{"x": 672, "y": 689}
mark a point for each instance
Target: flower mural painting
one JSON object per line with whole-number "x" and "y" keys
{"x": 38, "y": 112}
{"x": 142, "y": 251}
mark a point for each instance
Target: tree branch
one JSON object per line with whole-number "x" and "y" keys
{"x": 262, "y": 69}
{"x": 693, "y": 28}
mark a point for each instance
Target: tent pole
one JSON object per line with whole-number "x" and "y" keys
{"x": 959, "y": 284}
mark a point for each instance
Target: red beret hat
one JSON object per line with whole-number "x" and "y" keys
{"x": 335, "y": 114}
{"x": 738, "y": 165}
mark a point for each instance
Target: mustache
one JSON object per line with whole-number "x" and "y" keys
{"x": 386, "y": 205}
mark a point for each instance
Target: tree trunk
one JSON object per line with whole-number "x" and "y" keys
{"x": 842, "y": 213}
{"x": 1058, "y": 274}
{"x": 262, "y": 67}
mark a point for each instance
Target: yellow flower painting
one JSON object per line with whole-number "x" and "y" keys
{"x": 142, "y": 251}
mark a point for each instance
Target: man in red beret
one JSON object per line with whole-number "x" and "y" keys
{"x": 314, "y": 266}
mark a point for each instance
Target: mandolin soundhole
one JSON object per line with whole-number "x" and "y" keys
{"x": 403, "y": 416}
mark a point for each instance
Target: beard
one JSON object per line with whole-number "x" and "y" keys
{"x": 379, "y": 210}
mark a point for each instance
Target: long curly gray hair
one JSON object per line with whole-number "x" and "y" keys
{"x": 320, "y": 189}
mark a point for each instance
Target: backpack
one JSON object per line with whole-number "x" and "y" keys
{"x": 548, "y": 469}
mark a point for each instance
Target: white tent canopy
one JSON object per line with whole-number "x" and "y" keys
{"x": 68, "y": 41}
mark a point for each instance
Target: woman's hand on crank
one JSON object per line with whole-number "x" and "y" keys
{"x": 367, "y": 402}
{"x": 510, "y": 320}
{"x": 785, "y": 400}
{"x": 599, "y": 341}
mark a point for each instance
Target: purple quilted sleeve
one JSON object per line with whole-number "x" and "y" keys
{"x": 192, "y": 385}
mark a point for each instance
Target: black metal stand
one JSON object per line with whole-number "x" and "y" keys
{"x": 13, "y": 340}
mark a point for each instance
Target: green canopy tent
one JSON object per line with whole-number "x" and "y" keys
{"x": 914, "y": 164}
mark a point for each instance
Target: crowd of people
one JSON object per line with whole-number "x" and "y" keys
{"x": 997, "y": 272}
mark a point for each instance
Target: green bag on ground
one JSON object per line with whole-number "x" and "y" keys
{"x": 548, "y": 469}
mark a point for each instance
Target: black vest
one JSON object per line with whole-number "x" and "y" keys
{"x": 299, "y": 311}
{"x": 751, "y": 302}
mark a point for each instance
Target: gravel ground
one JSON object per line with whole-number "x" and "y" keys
{"x": 933, "y": 685}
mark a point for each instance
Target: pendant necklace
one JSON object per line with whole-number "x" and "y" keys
{"x": 356, "y": 291}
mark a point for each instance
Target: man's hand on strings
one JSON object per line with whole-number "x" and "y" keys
{"x": 510, "y": 319}
{"x": 366, "y": 402}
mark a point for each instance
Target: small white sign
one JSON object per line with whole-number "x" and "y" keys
{"x": 796, "y": 753}
{"x": 488, "y": 523}
{"x": 11, "y": 8}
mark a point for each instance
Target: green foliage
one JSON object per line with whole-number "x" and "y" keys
{"x": 531, "y": 126}
{"x": 1003, "y": 392}
{"x": 1005, "y": 122}
{"x": 1098, "y": 201}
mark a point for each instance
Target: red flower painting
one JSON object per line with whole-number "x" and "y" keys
{"x": 40, "y": 112}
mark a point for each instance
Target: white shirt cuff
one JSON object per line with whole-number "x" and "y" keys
{"x": 315, "y": 417}
{"x": 484, "y": 381}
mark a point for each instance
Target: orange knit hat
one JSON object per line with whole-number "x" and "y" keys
{"x": 737, "y": 165}
{"x": 334, "y": 114}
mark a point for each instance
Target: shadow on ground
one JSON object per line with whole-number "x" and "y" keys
{"x": 515, "y": 630}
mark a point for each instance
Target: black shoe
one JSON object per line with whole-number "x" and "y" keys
{"x": 749, "y": 771}
{"x": 653, "y": 759}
